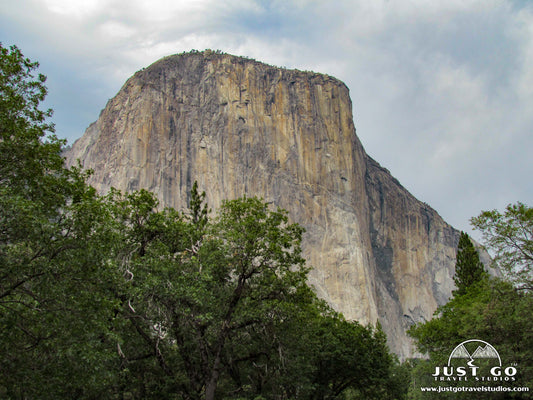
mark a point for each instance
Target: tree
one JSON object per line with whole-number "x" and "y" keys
{"x": 204, "y": 292}
{"x": 220, "y": 308}
{"x": 28, "y": 149}
{"x": 468, "y": 267}
{"x": 493, "y": 309}
{"x": 55, "y": 243}
{"x": 510, "y": 237}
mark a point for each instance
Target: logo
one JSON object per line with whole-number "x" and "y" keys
{"x": 475, "y": 360}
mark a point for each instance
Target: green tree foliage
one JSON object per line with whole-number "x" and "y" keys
{"x": 206, "y": 294}
{"x": 468, "y": 268}
{"x": 112, "y": 297}
{"x": 55, "y": 243}
{"x": 220, "y": 309}
{"x": 487, "y": 308}
{"x": 510, "y": 237}
{"x": 490, "y": 310}
{"x": 25, "y": 159}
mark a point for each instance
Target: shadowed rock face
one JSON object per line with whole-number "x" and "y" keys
{"x": 240, "y": 127}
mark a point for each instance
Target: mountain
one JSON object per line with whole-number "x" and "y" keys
{"x": 461, "y": 352}
{"x": 240, "y": 127}
{"x": 485, "y": 352}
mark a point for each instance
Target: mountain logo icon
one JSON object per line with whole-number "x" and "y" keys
{"x": 483, "y": 350}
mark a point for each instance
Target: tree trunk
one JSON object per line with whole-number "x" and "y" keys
{"x": 215, "y": 372}
{"x": 212, "y": 384}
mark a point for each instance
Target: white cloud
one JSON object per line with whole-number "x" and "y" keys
{"x": 115, "y": 30}
{"x": 522, "y": 31}
{"x": 73, "y": 8}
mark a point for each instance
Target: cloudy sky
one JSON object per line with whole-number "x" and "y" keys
{"x": 442, "y": 89}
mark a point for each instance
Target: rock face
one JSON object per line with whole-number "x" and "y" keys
{"x": 240, "y": 127}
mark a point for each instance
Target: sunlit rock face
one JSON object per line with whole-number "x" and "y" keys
{"x": 240, "y": 127}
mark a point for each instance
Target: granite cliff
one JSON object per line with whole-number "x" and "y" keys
{"x": 240, "y": 127}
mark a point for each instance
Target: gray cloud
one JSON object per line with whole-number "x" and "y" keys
{"x": 442, "y": 90}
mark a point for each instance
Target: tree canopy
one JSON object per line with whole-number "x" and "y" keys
{"x": 497, "y": 310}
{"x": 510, "y": 236}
